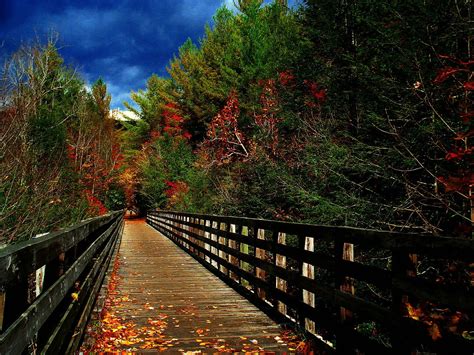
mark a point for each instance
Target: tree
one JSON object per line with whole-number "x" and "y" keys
{"x": 59, "y": 154}
{"x": 41, "y": 96}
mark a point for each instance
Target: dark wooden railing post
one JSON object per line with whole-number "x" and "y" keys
{"x": 233, "y": 245}
{"x": 403, "y": 264}
{"x": 54, "y": 269}
{"x": 214, "y": 238}
{"x": 259, "y": 234}
{"x": 238, "y": 230}
{"x": 308, "y": 271}
{"x": 281, "y": 284}
{"x": 16, "y": 301}
{"x": 222, "y": 241}
{"x": 2, "y": 308}
{"x": 207, "y": 235}
{"x": 343, "y": 251}
{"x": 244, "y": 248}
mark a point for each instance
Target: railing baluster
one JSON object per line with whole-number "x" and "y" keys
{"x": 260, "y": 254}
{"x": 16, "y": 301}
{"x": 233, "y": 259}
{"x": 238, "y": 249}
{"x": 308, "y": 271}
{"x": 244, "y": 248}
{"x": 222, "y": 241}
{"x": 344, "y": 251}
{"x": 280, "y": 283}
{"x": 207, "y": 246}
{"x": 214, "y": 239}
{"x": 403, "y": 264}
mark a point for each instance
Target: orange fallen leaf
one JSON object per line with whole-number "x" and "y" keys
{"x": 434, "y": 332}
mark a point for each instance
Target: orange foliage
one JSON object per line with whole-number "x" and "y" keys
{"x": 437, "y": 320}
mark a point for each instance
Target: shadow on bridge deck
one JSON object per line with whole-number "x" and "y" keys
{"x": 164, "y": 299}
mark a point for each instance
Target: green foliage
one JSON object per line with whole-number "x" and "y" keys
{"x": 115, "y": 198}
{"x": 61, "y": 153}
{"x": 153, "y": 184}
{"x": 48, "y": 135}
{"x": 338, "y": 119}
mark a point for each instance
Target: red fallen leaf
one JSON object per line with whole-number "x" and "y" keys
{"x": 434, "y": 332}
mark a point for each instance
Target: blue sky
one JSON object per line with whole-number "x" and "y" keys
{"x": 122, "y": 41}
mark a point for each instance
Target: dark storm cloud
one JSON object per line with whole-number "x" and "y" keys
{"x": 124, "y": 42}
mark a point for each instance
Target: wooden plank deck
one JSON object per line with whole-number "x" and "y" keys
{"x": 166, "y": 300}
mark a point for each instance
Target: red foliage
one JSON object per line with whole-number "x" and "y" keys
{"x": 173, "y": 186}
{"x": 457, "y": 183}
{"x": 95, "y": 174}
{"x": 176, "y": 192}
{"x": 173, "y": 122}
{"x": 224, "y": 140}
{"x": 460, "y": 152}
{"x": 461, "y": 178}
{"x": 445, "y": 73}
{"x": 467, "y": 116}
{"x": 457, "y": 61}
{"x": 316, "y": 94}
{"x": 286, "y": 78}
{"x": 71, "y": 153}
{"x": 469, "y": 85}
{"x": 268, "y": 119}
{"x": 95, "y": 204}
{"x": 155, "y": 135}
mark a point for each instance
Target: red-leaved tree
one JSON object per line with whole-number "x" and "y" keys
{"x": 457, "y": 77}
{"x": 225, "y": 142}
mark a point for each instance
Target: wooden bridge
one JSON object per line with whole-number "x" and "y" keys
{"x": 213, "y": 283}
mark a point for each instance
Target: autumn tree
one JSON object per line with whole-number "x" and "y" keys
{"x": 57, "y": 144}
{"x": 40, "y": 95}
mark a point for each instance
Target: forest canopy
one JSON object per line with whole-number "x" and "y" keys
{"x": 351, "y": 113}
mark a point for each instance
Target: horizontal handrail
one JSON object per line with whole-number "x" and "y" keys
{"x": 439, "y": 246}
{"x": 19, "y": 260}
{"x": 69, "y": 261}
{"x": 309, "y": 275}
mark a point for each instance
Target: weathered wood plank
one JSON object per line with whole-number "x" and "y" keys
{"x": 86, "y": 295}
{"x": 23, "y": 330}
{"x": 160, "y": 281}
{"x": 19, "y": 260}
{"x": 320, "y": 317}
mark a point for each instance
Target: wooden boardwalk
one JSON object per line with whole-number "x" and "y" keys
{"x": 166, "y": 300}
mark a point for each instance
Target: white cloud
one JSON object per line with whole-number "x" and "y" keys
{"x": 230, "y": 4}
{"x": 131, "y": 73}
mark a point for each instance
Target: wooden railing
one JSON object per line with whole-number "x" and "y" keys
{"x": 48, "y": 285}
{"x": 353, "y": 289}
